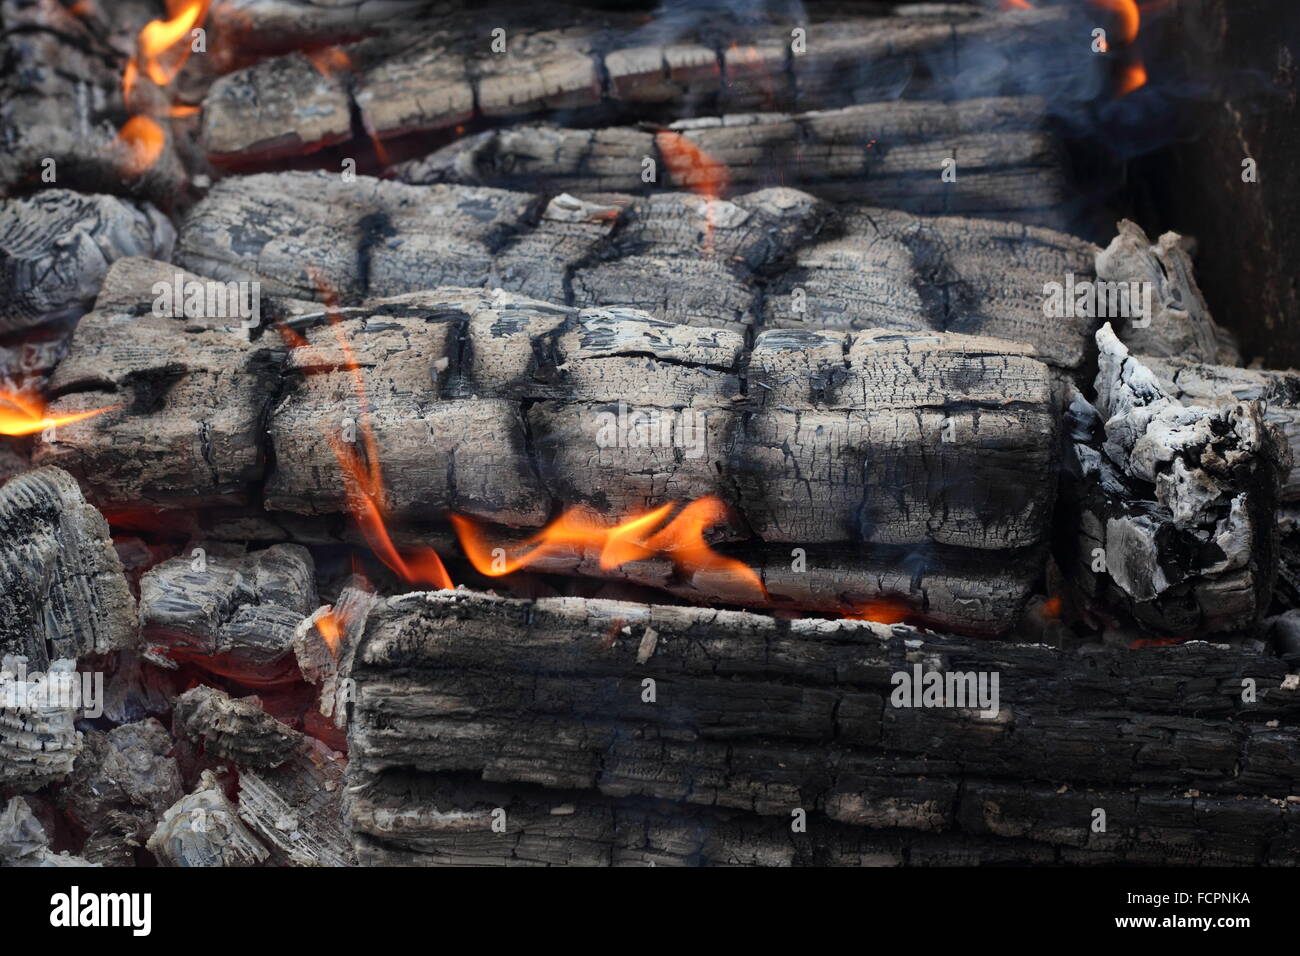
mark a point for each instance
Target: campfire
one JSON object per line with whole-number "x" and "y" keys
{"x": 664, "y": 435}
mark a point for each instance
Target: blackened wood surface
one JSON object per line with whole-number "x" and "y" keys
{"x": 467, "y": 702}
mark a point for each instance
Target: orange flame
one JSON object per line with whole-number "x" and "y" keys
{"x": 144, "y": 139}
{"x": 160, "y": 43}
{"x": 329, "y": 628}
{"x": 681, "y": 540}
{"x": 880, "y": 611}
{"x": 1133, "y": 74}
{"x": 26, "y": 414}
{"x": 329, "y": 60}
{"x": 691, "y": 166}
{"x": 363, "y": 478}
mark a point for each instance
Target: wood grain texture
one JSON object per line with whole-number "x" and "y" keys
{"x": 467, "y": 702}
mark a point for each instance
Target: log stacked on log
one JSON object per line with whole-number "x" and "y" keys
{"x": 887, "y": 154}
{"x": 62, "y": 590}
{"x": 914, "y": 456}
{"x": 1175, "y": 504}
{"x": 569, "y": 59}
{"x": 608, "y": 731}
{"x": 56, "y": 247}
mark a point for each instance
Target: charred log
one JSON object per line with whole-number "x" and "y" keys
{"x": 545, "y": 703}
{"x": 62, "y": 590}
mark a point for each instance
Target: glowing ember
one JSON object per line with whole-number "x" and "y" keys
{"x": 363, "y": 478}
{"x": 329, "y": 61}
{"x": 882, "y": 611}
{"x": 144, "y": 139}
{"x": 22, "y": 414}
{"x": 681, "y": 540}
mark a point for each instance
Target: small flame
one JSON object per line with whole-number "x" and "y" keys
{"x": 27, "y": 414}
{"x": 160, "y": 43}
{"x": 144, "y": 139}
{"x": 681, "y": 540}
{"x": 1133, "y": 74}
{"x": 695, "y": 169}
{"x": 363, "y": 478}
{"x": 329, "y": 61}
{"x": 330, "y": 628}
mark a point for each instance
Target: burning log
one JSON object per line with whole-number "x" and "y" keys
{"x": 692, "y": 259}
{"x": 1176, "y": 503}
{"x": 233, "y": 614}
{"x": 908, "y": 454}
{"x": 122, "y": 783}
{"x": 57, "y": 245}
{"x": 63, "y": 593}
{"x": 888, "y": 153}
{"x": 289, "y": 783}
{"x": 204, "y": 829}
{"x": 577, "y": 60}
{"x": 593, "y": 713}
{"x": 259, "y": 27}
{"x": 892, "y": 270}
{"x": 63, "y": 115}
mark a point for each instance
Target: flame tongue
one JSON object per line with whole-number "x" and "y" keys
{"x": 27, "y": 414}
{"x": 160, "y": 43}
{"x": 681, "y": 540}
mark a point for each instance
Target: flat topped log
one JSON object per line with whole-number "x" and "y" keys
{"x": 890, "y": 154}
{"x": 729, "y": 264}
{"x": 454, "y": 70}
{"x": 613, "y": 707}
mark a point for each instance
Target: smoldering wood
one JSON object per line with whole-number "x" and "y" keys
{"x": 233, "y": 729}
{"x": 39, "y": 741}
{"x": 677, "y": 254}
{"x": 917, "y": 444}
{"x": 233, "y": 612}
{"x": 61, "y": 101}
{"x": 1173, "y": 506}
{"x": 1193, "y": 382}
{"x": 203, "y": 829}
{"x": 1180, "y": 325}
{"x": 467, "y": 702}
{"x": 573, "y": 59}
{"x": 328, "y": 661}
{"x": 123, "y": 781}
{"x": 273, "y": 26}
{"x": 57, "y": 245}
{"x": 885, "y": 153}
{"x": 289, "y": 784}
{"x": 24, "y": 842}
{"x": 892, "y": 270}
{"x": 63, "y": 593}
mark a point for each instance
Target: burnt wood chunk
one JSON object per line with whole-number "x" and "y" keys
{"x": 893, "y": 270}
{"x": 56, "y": 247}
{"x": 1166, "y": 315}
{"x": 63, "y": 593}
{"x": 188, "y": 396}
{"x": 39, "y": 741}
{"x": 61, "y": 103}
{"x": 289, "y": 784}
{"x": 231, "y": 612}
{"x": 203, "y": 829}
{"x": 542, "y": 706}
{"x": 886, "y": 153}
{"x": 1176, "y": 502}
